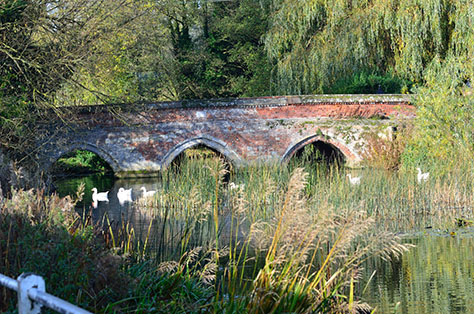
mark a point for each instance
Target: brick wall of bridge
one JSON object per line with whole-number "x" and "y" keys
{"x": 143, "y": 139}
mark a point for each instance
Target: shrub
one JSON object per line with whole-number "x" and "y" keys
{"x": 43, "y": 235}
{"x": 370, "y": 83}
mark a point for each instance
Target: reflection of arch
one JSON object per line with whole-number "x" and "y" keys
{"x": 347, "y": 154}
{"x": 212, "y": 143}
{"x": 84, "y": 146}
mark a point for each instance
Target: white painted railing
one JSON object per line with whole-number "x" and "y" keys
{"x": 32, "y": 295}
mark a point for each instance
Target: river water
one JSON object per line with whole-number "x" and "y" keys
{"x": 437, "y": 276}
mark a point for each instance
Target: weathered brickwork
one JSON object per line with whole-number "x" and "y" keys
{"x": 142, "y": 139}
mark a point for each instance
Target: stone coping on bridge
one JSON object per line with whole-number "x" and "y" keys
{"x": 268, "y": 101}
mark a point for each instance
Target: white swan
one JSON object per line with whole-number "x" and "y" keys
{"x": 99, "y": 197}
{"x": 355, "y": 180}
{"x": 147, "y": 193}
{"x": 422, "y": 177}
{"x": 234, "y": 186}
{"x": 124, "y": 195}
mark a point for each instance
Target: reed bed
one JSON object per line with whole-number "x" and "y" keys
{"x": 262, "y": 239}
{"x": 291, "y": 238}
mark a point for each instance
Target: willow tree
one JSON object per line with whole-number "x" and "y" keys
{"x": 314, "y": 43}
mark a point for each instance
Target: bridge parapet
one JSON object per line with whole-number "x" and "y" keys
{"x": 254, "y": 102}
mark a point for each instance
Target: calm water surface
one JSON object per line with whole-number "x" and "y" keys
{"x": 437, "y": 276}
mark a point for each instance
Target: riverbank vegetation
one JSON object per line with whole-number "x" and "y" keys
{"x": 277, "y": 239}
{"x": 80, "y": 162}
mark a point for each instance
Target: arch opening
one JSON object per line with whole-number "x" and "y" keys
{"x": 318, "y": 154}
{"x": 80, "y": 162}
{"x": 199, "y": 158}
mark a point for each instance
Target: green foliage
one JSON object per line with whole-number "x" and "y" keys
{"x": 172, "y": 287}
{"x": 444, "y": 127}
{"x": 235, "y": 32}
{"x": 81, "y": 162}
{"x": 42, "y": 45}
{"x": 364, "y": 83}
{"x": 316, "y": 43}
{"x": 177, "y": 50}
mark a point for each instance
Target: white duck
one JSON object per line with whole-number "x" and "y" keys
{"x": 422, "y": 177}
{"x": 99, "y": 197}
{"x": 124, "y": 195}
{"x": 147, "y": 193}
{"x": 355, "y": 180}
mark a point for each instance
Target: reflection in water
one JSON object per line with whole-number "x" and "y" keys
{"x": 434, "y": 277}
{"x": 121, "y": 194}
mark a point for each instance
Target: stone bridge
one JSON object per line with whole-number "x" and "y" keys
{"x": 142, "y": 139}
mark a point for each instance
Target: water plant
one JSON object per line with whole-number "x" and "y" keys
{"x": 276, "y": 248}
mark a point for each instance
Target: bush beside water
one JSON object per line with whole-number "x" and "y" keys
{"x": 81, "y": 162}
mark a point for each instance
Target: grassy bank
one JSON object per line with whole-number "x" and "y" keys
{"x": 43, "y": 234}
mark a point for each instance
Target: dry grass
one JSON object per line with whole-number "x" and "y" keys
{"x": 286, "y": 241}
{"x": 303, "y": 256}
{"x": 43, "y": 234}
{"x": 313, "y": 255}
{"x": 385, "y": 149}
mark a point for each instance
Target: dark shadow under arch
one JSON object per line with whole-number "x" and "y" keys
{"x": 213, "y": 144}
{"x": 202, "y": 156}
{"x": 316, "y": 150}
{"x": 320, "y": 152}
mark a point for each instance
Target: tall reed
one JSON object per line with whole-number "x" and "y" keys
{"x": 283, "y": 240}
{"x": 272, "y": 238}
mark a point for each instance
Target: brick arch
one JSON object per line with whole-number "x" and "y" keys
{"x": 83, "y": 146}
{"x": 213, "y": 143}
{"x": 349, "y": 155}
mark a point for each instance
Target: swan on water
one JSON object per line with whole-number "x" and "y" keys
{"x": 147, "y": 193}
{"x": 355, "y": 180}
{"x": 422, "y": 177}
{"x": 99, "y": 197}
{"x": 124, "y": 195}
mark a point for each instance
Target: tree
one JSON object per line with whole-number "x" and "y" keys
{"x": 235, "y": 36}
{"x": 315, "y": 43}
{"x": 42, "y": 44}
{"x": 178, "y": 50}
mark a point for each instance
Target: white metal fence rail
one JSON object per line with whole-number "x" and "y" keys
{"x": 32, "y": 295}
